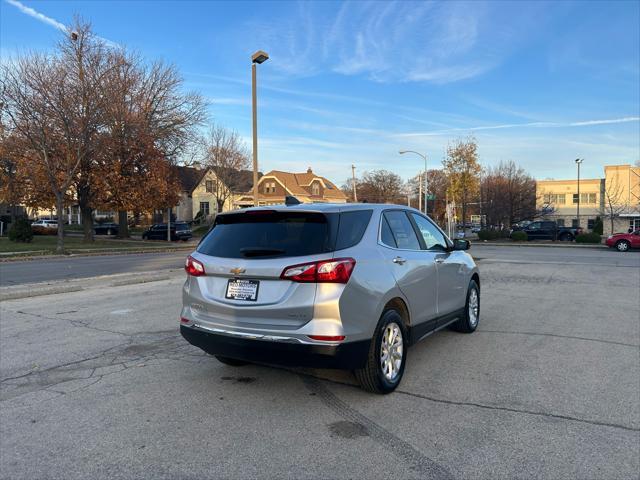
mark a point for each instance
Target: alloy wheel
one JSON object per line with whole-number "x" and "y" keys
{"x": 474, "y": 307}
{"x": 391, "y": 351}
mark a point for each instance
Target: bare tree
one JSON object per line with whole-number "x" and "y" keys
{"x": 227, "y": 156}
{"x": 381, "y": 186}
{"x": 508, "y": 194}
{"x": 613, "y": 201}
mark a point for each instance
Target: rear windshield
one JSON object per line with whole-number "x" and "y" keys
{"x": 182, "y": 226}
{"x": 261, "y": 233}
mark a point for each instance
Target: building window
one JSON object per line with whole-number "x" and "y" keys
{"x": 208, "y": 186}
{"x": 270, "y": 187}
{"x": 588, "y": 198}
{"x": 590, "y": 223}
{"x": 574, "y": 223}
{"x": 555, "y": 198}
{"x": 204, "y": 208}
{"x": 315, "y": 189}
{"x": 575, "y": 198}
{"x": 560, "y": 222}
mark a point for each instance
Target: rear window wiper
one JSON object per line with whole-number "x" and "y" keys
{"x": 260, "y": 251}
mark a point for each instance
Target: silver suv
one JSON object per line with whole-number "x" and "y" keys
{"x": 328, "y": 286}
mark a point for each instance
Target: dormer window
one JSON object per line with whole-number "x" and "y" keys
{"x": 270, "y": 187}
{"x": 315, "y": 188}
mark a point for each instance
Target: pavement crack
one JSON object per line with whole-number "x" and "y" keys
{"x": 426, "y": 467}
{"x": 519, "y": 411}
{"x": 572, "y": 337}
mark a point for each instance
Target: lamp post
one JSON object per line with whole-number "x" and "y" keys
{"x": 256, "y": 58}
{"x": 578, "y": 162}
{"x": 426, "y": 181}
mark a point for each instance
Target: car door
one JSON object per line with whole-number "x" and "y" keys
{"x": 414, "y": 269}
{"x": 635, "y": 239}
{"x": 533, "y": 230}
{"x": 548, "y": 230}
{"x": 452, "y": 270}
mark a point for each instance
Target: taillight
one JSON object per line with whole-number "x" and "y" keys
{"x": 325, "y": 271}
{"x": 193, "y": 267}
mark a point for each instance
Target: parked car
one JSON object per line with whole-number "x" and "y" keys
{"x": 327, "y": 286}
{"x": 45, "y": 224}
{"x": 623, "y": 242}
{"x": 548, "y": 230}
{"x": 108, "y": 228}
{"x": 179, "y": 231}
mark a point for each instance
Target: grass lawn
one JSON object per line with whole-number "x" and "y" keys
{"x": 47, "y": 243}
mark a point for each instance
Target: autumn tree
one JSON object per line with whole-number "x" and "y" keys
{"x": 227, "y": 156}
{"x": 41, "y": 103}
{"x": 507, "y": 194}
{"x": 148, "y": 122}
{"x": 463, "y": 172}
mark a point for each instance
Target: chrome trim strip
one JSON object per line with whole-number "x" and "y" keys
{"x": 258, "y": 336}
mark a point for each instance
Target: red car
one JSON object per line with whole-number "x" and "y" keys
{"x": 624, "y": 241}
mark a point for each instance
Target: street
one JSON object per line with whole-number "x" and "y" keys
{"x": 99, "y": 384}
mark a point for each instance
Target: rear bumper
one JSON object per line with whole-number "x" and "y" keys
{"x": 347, "y": 356}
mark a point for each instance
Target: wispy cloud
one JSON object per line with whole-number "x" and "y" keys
{"x": 41, "y": 17}
{"x": 396, "y": 41}
{"x": 521, "y": 125}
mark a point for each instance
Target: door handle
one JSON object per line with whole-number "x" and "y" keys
{"x": 439, "y": 260}
{"x": 399, "y": 260}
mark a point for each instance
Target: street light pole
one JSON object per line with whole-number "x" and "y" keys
{"x": 353, "y": 183}
{"x": 578, "y": 162}
{"x": 426, "y": 179}
{"x": 256, "y": 58}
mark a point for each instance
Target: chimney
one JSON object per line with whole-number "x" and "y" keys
{"x": 309, "y": 170}
{"x": 197, "y": 165}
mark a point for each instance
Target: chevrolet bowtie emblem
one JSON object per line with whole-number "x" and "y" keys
{"x": 237, "y": 271}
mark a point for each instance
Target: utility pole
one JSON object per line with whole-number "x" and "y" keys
{"x": 353, "y": 183}
{"x": 420, "y": 191}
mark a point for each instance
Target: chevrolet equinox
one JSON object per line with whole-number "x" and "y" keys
{"x": 348, "y": 286}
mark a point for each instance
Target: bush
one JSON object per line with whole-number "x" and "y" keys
{"x": 21, "y": 231}
{"x": 519, "y": 236}
{"x": 597, "y": 226}
{"x": 589, "y": 238}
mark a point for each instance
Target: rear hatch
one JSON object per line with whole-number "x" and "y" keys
{"x": 244, "y": 255}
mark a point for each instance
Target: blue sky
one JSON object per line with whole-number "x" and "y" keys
{"x": 538, "y": 82}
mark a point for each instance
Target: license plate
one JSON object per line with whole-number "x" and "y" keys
{"x": 240, "y": 289}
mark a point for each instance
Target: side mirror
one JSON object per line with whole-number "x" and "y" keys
{"x": 459, "y": 244}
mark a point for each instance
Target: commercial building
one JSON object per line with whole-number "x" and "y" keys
{"x": 614, "y": 198}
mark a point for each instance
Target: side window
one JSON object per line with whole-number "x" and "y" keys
{"x": 534, "y": 226}
{"x": 433, "y": 238}
{"x": 352, "y": 227}
{"x": 402, "y": 230}
{"x": 386, "y": 236}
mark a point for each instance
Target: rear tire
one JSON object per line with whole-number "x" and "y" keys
{"x": 388, "y": 347}
{"x": 623, "y": 246}
{"x": 231, "y": 361}
{"x": 565, "y": 237}
{"x": 469, "y": 321}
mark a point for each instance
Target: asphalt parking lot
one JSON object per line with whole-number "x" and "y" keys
{"x": 99, "y": 384}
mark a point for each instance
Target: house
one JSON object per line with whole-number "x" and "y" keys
{"x": 198, "y": 192}
{"x": 308, "y": 187}
{"x": 617, "y": 195}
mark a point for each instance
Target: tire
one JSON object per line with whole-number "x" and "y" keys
{"x": 109, "y": 232}
{"x": 469, "y": 321}
{"x": 231, "y": 361}
{"x": 623, "y": 246}
{"x": 566, "y": 237}
{"x": 373, "y": 377}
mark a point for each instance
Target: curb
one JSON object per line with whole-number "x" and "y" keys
{"x": 66, "y": 286}
{"x": 538, "y": 245}
{"x": 18, "y": 257}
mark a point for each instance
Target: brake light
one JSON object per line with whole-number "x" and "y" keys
{"x": 325, "y": 271}
{"x": 193, "y": 267}
{"x": 327, "y": 338}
